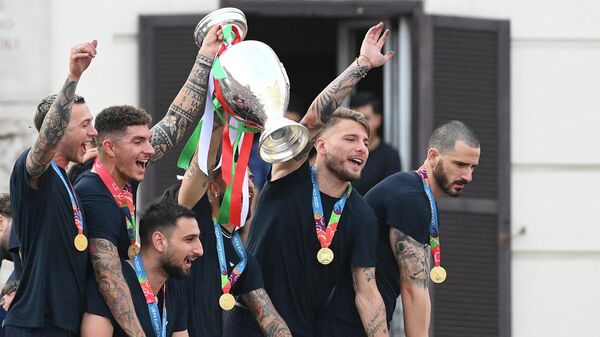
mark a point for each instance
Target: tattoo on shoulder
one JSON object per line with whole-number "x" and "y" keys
{"x": 412, "y": 259}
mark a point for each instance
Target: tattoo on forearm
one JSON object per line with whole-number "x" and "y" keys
{"x": 369, "y": 274}
{"x": 113, "y": 287}
{"x": 376, "y": 322}
{"x": 183, "y": 110}
{"x": 264, "y": 312}
{"x": 412, "y": 259}
{"x": 330, "y": 98}
{"x": 52, "y": 130}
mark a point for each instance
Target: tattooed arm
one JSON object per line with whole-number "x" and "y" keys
{"x": 96, "y": 326}
{"x": 190, "y": 99}
{"x": 333, "y": 95}
{"x": 413, "y": 262}
{"x": 58, "y": 116}
{"x": 264, "y": 312}
{"x": 195, "y": 182}
{"x": 369, "y": 302}
{"x": 113, "y": 287}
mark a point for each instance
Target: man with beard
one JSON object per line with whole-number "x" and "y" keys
{"x": 310, "y": 226}
{"x": 170, "y": 242}
{"x": 46, "y": 215}
{"x": 126, "y": 145}
{"x": 204, "y": 194}
{"x": 408, "y": 229}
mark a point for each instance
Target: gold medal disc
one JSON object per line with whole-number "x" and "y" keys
{"x": 438, "y": 274}
{"x": 226, "y": 301}
{"x": 81, "y": 242}
{"x": 133, "y": 250}
{"x": 325, "y": 256}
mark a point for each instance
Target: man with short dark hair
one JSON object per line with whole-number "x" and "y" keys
{"x": 126, "y": 145}
{"x": 170, "y": 242}
{"x": 405, "y": 204}
{"x": 310, "y": 225}
{"x": 47, "y": 217}
{"x": 384, "y": 160}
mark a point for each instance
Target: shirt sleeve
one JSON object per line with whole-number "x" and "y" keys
{"x": 364, "y": 253}
{"x": 94, "y": 301}
{"x": 100, "y": 213}
{"x": 409, "y": 213}
{"x": 251, "y": 278}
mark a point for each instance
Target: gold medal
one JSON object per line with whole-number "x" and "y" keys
{"x": 325, "y": 256}
{"x": 81, "y": 242}
{"x": 133, "y": 250}
{"x": 226, "y": 301}
{"x": 438, "y": 274}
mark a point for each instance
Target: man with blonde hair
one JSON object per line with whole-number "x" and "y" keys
{"x": 310, "y": 226}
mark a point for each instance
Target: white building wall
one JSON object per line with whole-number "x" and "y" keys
{"x": 555, "y": 160}
{"x": 555, "y": 109}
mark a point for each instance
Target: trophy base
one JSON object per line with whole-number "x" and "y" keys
{"x": 283, "y": 143}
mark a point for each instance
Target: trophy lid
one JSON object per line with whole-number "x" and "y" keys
{"x": 223, "y": 16}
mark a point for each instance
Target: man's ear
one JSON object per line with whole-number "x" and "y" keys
{"x": 159, "y": 240}
{"x": 433, "y": 156}
{"x": 108, "y": 147}
{"x": 320, "y": 145}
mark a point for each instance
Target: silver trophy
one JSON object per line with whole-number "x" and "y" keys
{"x": 223, "y": 16}
{"x": 257, "y": 89}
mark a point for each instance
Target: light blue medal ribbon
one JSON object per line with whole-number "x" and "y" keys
{"x": 77, "y": 216}
{"x": 160, "y": 330}
{"x": 226, "y": 280}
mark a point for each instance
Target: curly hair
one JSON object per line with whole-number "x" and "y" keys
{"x": 116, "y": 119}
{"x": 44, "y": 106}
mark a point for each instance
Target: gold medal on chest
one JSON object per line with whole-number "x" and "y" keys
{"x": 325, "y": 256}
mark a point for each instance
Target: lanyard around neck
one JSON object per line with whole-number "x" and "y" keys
{"x": 160, "y": 330}
{"x": 80, "y": 240}
{"x": 227, "y": 281}
{"x": 438, "y": 273}
{"x": 326, "y": 233}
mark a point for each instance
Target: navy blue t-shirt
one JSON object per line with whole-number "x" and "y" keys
{"x": 104, "y": 217}
{"x": 203, "y": 286}
{"x": 176, "y": 303}
{"x": 284, "y": 241}
{"x": 52, "y": 288}
{"x": 398, "y": 201}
